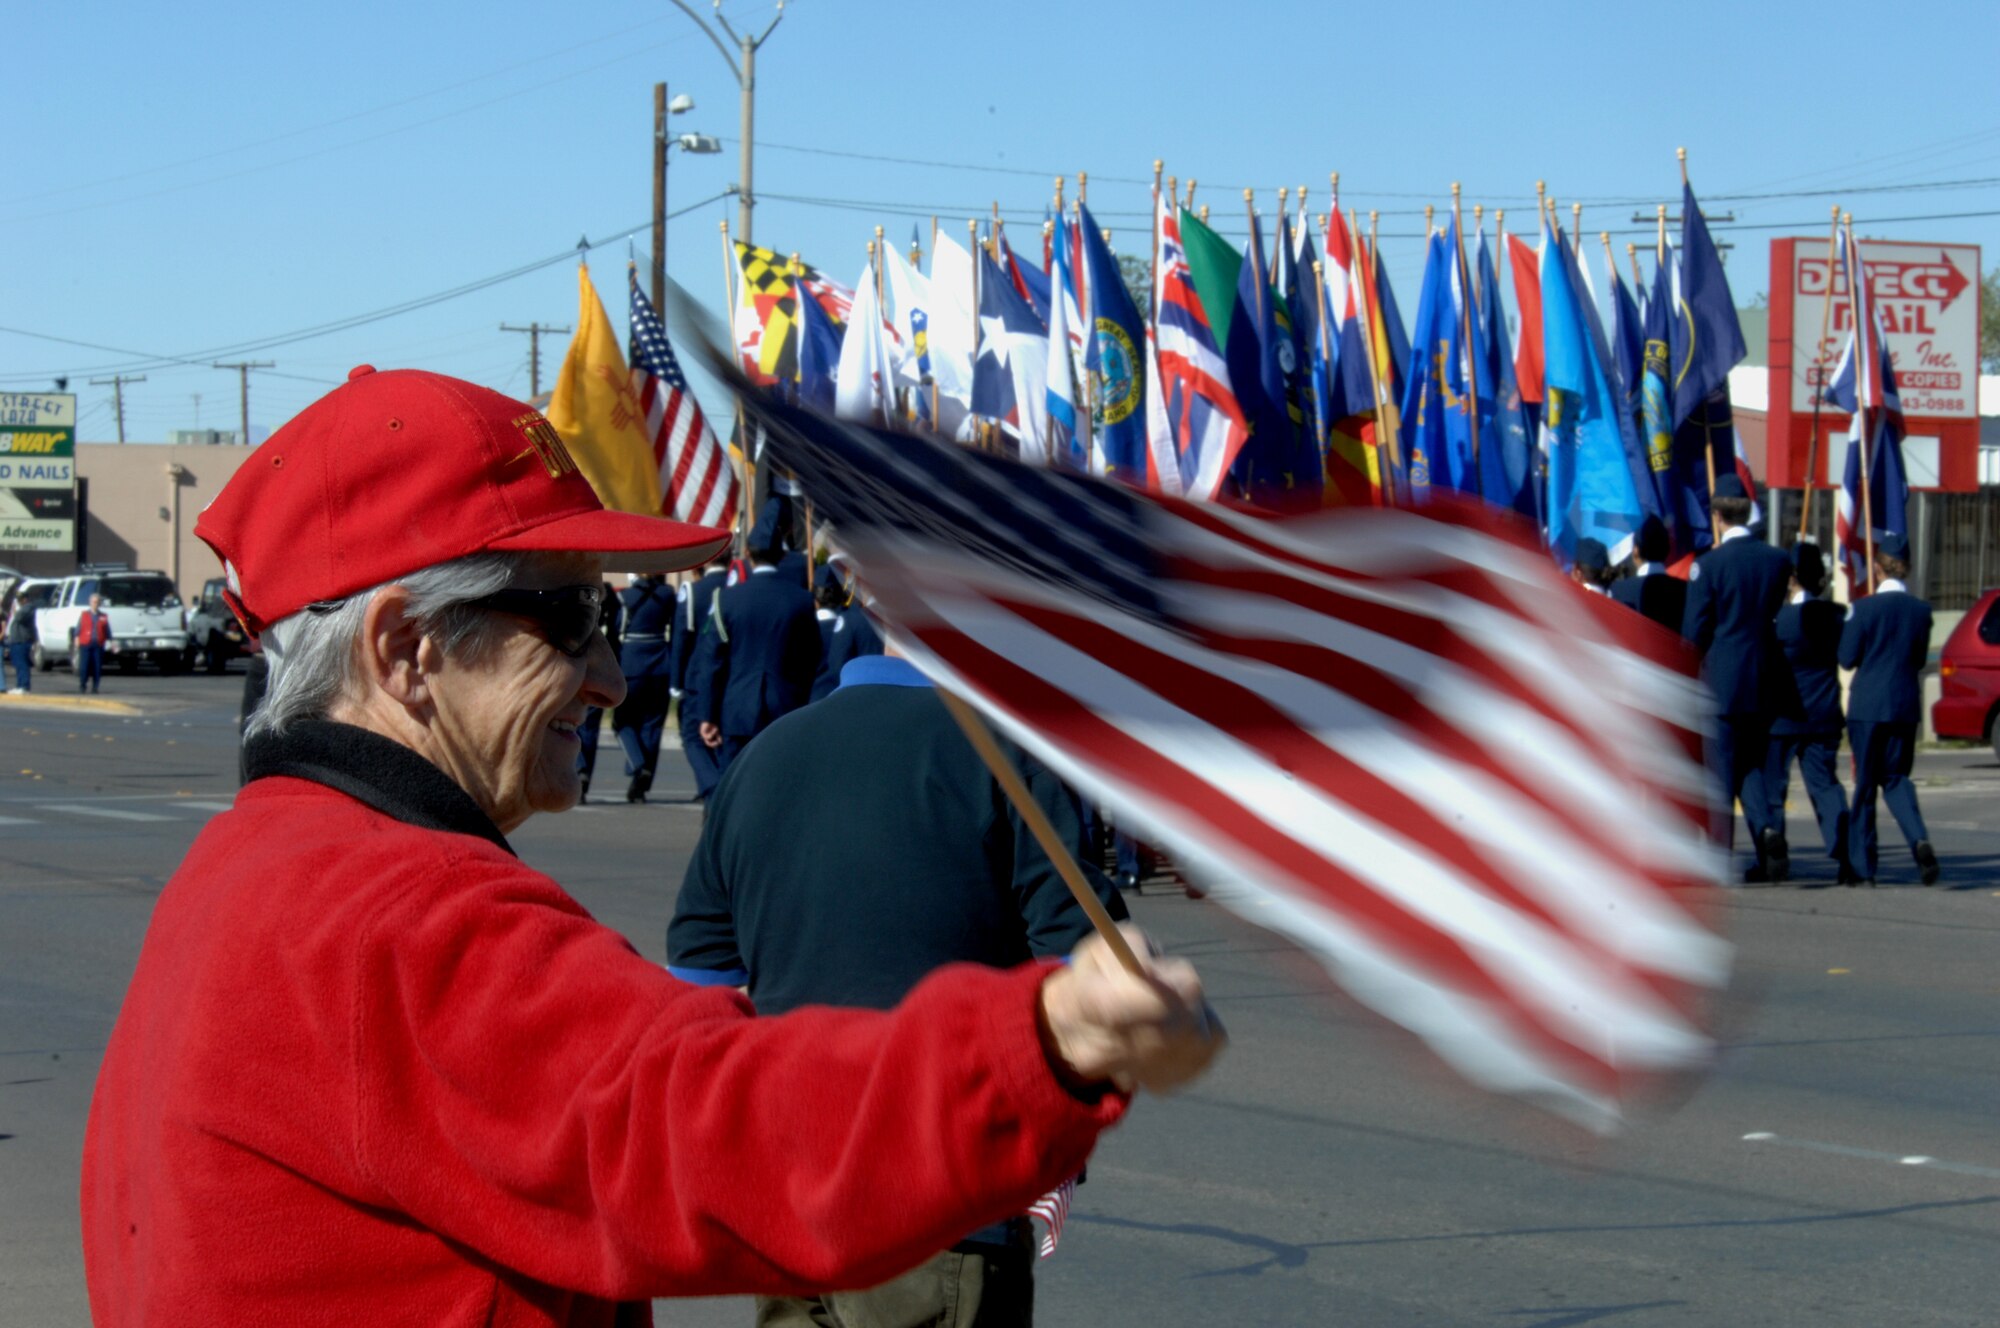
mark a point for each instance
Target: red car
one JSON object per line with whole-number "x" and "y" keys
{"x": 1969, "y": 669}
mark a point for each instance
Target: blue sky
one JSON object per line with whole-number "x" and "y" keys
{"x": 184, "y": 179}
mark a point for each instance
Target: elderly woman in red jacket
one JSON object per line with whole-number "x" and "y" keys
{"x": 374, "y": 1069}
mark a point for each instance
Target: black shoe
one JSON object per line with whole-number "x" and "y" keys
{"x": 636, "y": 790}
{"x": 1777, "y": 856}
{"x": 1125, "y": 881}
{"x": 583, "y": 793}
{"x": 1927, "y": 863}
{"x": 1755, "y": 874}
{"x": 1846, "y": 876}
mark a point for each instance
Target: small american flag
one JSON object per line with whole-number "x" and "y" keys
{"x": 1052, "y": 1209}
{"x": 1398, "y": 737}
{"x": 697, "y": 481}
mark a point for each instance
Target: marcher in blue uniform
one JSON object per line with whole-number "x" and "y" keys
{"x": 692, "y": 605}
{"x": 1808, "y": 630}
{"x": 1734, "y": 596}
{"x": 910, "y": 857}
{"x": 1591, "y": 568}
{"x": 610, "y": 619}
{"x": 845, "y": 631}
{"x": 757, "y": 653}
{"x": 1649, "y": 589}
{"x": 642, "y": 715}
{"x": 1886, "y": 642}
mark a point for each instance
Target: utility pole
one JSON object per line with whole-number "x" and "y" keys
{"x": 659, "y": 195}
{"x": 243, "y": 368}
{"x": 744, "y": 66}
{"x": 117, "y": 384}
{"x": 534, "y": 331}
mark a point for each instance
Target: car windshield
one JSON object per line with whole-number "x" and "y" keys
{"x": 37, "y": 597}
{"x": 138, "y": 592}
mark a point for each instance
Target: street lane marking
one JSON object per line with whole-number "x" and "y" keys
{"x": 17, "y": 820}
{"x": 204, "y": 806}
{"x": 111, "y": 813}
{"x": 1873, "y": 1155}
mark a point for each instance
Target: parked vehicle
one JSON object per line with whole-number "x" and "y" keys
{"x": 213, "y": 629}
{"x": 145, "y": 613}
{"x": 36, "y": 594}
{"x": 1968, "y": 704}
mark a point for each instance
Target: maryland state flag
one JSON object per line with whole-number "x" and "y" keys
{"x": 598, "y": 414}
{"x": 767, "y": 312}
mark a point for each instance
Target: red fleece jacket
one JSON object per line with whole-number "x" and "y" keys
{"x": 368, "y": 1073}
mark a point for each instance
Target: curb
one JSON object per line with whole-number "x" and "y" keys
{"x": 95, "y": 704}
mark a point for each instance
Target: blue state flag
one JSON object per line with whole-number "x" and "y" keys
{"x": 1590, "y": 492}
{"x": 1424, "y": 386}
{"x": 1674, "y": 451}
{"x": 1707, "y": 339}
{"x": 1507, "y": 462}
{"x": 1013, "y": 344}
{"x": 1114, "y": 357}
{"x": 1260, "y": 358}
{"x": 818, "y": 352}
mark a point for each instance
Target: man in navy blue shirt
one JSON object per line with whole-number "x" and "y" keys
{"x": 1649, "y": 589}
{"x": 909, "y": 858}
{"x": 1886, "y": 642}
{"x": 845, "y": 631}
{"x": 757, "y": 653}
{"x": 642, "y": 655}
{"x": 692, "y": 604}
{"x": 1808, "y": 629}
{"x": 1734, "y": 596}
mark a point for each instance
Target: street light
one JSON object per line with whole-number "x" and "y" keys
{"x": 744, "y": 67}
{"x": 699, "y": 144}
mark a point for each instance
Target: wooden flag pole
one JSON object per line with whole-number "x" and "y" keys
{"x": 1429, "y": 212}
{"x": 1153, "y": 254}
{"x": 1479, "y": 228}
{"x": 1189, "y": 205}
{"x": 1465, "y": 321}
{"x": 1083, "y": 187}
{"x": 1255, "y": 251}
{"x": 1819, "y": 358}
{"x": 1861, "y": 371}
{"x": 1610, "y": 257}
{"x": 1541, "y": 202}
{"x": 1681, "y": 154}
{"x": 877, "y": 253}
{"x": 744, "y": 465}
{"x": 1660, "y": 242}
{"x": 1632, "y": 257}
{"x": 1060, "y": 854}
{"x": 1576, "y": 230}
{"x": 1204, "y": 214}
{"x": 972, "y": 247}
{"x": 1325, "y": 354}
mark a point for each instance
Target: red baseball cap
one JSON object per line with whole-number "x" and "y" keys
{"x": 394, "y": 472}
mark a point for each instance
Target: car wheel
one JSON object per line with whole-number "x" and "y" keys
{"x": 217, "y": 658}
{"x": 178, "y": 661}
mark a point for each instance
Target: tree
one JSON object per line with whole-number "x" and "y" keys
{"x": 1138, "y": 281}
{"x": 1989, "y": 322}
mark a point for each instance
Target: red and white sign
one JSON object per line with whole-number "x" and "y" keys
{"x": 1928, "y": 295}
{"x": 1929, "y": 298}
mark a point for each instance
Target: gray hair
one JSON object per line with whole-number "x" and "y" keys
{"x": 312, "y": 653}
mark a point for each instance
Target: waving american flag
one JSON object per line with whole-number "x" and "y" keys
{"x": 1398, "y": 737}
{"x": 697, "y": 481}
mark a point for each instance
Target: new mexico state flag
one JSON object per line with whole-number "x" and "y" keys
{"x": 598, "y": 414}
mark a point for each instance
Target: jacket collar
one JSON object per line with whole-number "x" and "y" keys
{"x": 375, "y": 771}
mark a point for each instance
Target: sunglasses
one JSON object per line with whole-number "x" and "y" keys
{"x": 568, "y": 615}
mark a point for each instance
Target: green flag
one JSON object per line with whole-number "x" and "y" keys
{"x": 1215, "y": 266}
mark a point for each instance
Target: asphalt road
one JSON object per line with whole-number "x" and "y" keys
{"x": 1840, "y": 1167}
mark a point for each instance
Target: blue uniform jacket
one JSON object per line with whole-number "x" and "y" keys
{"x": 845, "y": 635}
{"x": 649, "y": 615}
{"x": 1734, "y": 598}
{"x": 756, "y": 656}
{"x": 1660, "y": 597}
{"x": 1809, "y": 634}
{"x": 1886, "y": 642}
{"x": 691, "y": 609}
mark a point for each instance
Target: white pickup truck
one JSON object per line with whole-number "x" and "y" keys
{"x": 145, "y": 613}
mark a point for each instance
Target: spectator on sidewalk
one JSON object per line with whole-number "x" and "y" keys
{"x": 93, "y": 637}
{"x": 19, "y": 633}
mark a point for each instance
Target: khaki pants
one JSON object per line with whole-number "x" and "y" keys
{"x": 974, "y": 1286}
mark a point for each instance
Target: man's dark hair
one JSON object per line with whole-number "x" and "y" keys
{"x": 768, "y": 556}
{"x": 1653, "y": 543}
{"x": 1736, "y": 511}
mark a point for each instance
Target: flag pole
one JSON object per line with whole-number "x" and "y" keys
{"x": 1863, "y": 353}
{"x": 1325, "y": 355}
{"x": 1386, "y": 423}
{"x": 1632, "y": 257}
{"x": 1819, "y": 358}
{"x": 1465, "y": 319}
{"x": 1189, "y": 205}
{"x": 876, "y": 252}
{"x": 1256, "y": 248}
{"x": 1576, "y": 230}
{"x": 1060, "y": 855}
{"x": 742, "y": 438}
{"x": 972, "y": 247}
{"x": 1153, "y": 245}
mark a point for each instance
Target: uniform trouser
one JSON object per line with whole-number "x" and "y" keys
{"x": 1737, "y": 757}
{"x": 969, "y": 1286}
{"x": 701, "y": 757}
{"x": 642, "y": 718}
{"x": 1882, "y": 756}
{"x": 1816, "y": 755}
{"x": 586, "y": 736}
{"x": 20, "y": 654}
{"x": 89, "y": 667}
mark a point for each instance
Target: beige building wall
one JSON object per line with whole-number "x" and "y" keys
{"x": 144, "y": 498}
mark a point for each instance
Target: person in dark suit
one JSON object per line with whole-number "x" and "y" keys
{"x": 1808, "y": 630}
{"x": 610, "y": 620}
{"x": 845, "y": 631}
{"x": 692, "y": 605}
{"x": 1886, "y": 642}
{"x": 642, "y": 653}
{"x": 1734, "y": 596}
{"x": 757, "y": 653}
{"x": 1649, "y": 589}
{"x": 915, "y": 860}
